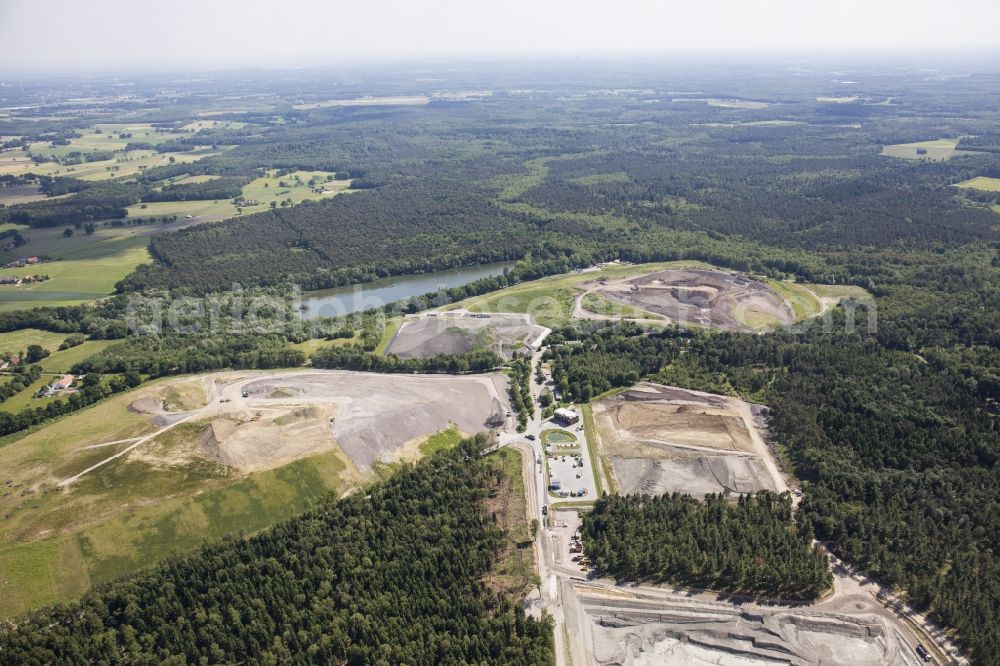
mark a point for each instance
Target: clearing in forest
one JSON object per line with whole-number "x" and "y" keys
{"x": 981, "y": 183}
{"x": 937, "y": 149}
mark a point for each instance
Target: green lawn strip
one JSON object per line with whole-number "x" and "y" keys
{"x": 391, "y": 328}
{"x": 590, "y": 430}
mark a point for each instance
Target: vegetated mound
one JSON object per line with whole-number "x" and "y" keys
{"x": 166, "y": 401}
{"x": 188, "y": 446}
{"x": 662, "y": 439}
{"x": 419, "y": 545}
{"x": 451, "y": 333}
{"x": 712, "y": 298}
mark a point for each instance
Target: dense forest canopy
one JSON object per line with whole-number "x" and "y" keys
{"x": 746, "y": 547}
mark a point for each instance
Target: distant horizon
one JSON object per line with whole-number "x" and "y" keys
{"x": 111, "y": 36}
{"x": 904, "y": 59}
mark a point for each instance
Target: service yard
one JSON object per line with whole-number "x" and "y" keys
{"x": 570, "y": 476}
{"x": 661, "y": 439}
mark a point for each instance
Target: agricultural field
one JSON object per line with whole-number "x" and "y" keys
{"x": 658, "y": 439}
{"x": 11, "y": 195}
{"x": 409, "y": 100}
{"x": 122, "y": 165}
{"x": 937, "y": 149}
{"x": 15, "y": 342}
{"x": 102, "y": 137}
{"x": 265, "y": 190}
{"x": 188, "y": 180}
{"x": 981, "y": 183}
{"x": 87, "y": 267}
{"x": 197, "y": 125}
{"x": 83, "y": 267}
{"x": 187, "y": 460}
{"x": 59, "y": 362}
{"x": 725, "y": 103}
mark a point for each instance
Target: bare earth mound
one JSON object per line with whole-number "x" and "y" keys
{"x": 372, "y": 417}
{"x": 644, "y": 631}
{"x": 662, "y": 439}
{"x": 691, "y": 473}
{"x": 459, "y": 333}
{"x": 706, "y": 297}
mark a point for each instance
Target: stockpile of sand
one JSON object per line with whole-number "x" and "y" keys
{"x": 696, "y": 474}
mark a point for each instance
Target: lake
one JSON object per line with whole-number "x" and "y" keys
{"x": 358, "y": 297}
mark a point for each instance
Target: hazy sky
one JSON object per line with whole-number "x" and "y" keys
{"x": 72, "y": 35}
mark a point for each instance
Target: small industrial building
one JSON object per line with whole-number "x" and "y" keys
{"x": 567, "y": 416}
